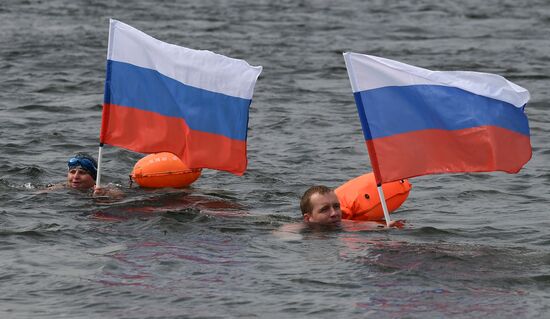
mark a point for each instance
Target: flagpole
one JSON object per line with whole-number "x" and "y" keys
{"x": 384, "y": 206}
{"x": 99, "y": 156}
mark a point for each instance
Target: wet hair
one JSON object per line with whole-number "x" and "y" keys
{"x": 89, "y": 164}
{"x": 305, "y": 202}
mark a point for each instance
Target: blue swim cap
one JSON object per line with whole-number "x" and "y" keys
{"x": 84, "y": 161}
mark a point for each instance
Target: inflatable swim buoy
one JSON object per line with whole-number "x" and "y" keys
{"x": 359, "y": 199}
{"x": 163, "y": 170}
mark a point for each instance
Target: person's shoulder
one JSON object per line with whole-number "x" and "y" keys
{"x": 52, "y": 187}
{"x": 55, "y": 186}
{"x": 290, "y": 231}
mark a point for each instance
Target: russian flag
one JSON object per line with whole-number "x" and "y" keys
{"x": 162, "y": 97}
{"x": 417, "y": 122}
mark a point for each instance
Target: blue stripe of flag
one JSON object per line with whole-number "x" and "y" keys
{"x": 203, "y": 110}
{"x": 400, "y": 109}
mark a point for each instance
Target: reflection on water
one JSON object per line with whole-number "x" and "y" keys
{"x": 174, "y": 202}
{"x": 463, "y": 280}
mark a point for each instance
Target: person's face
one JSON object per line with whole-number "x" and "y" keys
{"x": 325, "y": 209}
{"x": 79, "y": 179}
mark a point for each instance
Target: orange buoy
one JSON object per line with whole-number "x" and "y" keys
{"x": 359, "y": 199}
{"x": 163, "y": 170}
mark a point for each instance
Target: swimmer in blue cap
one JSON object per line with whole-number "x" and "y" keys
{"x": 82, "y": 175}
{"x": 82, "y": 172}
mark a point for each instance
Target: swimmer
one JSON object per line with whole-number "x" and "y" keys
{"x": 82, "y": 174}
{"x": 320, "y": 206}
{"x": 321, "y": 212}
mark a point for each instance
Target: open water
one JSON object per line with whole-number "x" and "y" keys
{"x": 475, "y": 245}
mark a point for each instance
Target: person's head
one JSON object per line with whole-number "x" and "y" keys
{"x": 82, "y": 171}
{"x": 320, "y": 205}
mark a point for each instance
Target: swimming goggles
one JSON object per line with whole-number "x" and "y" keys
{"x": 85, "y": 163}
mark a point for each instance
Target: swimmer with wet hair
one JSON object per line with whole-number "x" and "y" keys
{"x": 320, "y": 205}
{"x": 321, "y": 211}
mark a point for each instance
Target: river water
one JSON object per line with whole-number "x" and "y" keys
{"x": 474, "y": 245}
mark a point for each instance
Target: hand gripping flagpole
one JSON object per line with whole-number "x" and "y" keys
{"x": 370, "y": 146}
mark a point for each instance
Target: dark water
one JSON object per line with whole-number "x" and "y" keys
{"x": 475, "y": 245}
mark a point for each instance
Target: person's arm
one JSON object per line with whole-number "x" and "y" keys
{"x": 399, "y": 223}
{"x": 353, "y": 225}
{"x": 52, "y": 187}
{"x": 109, "y": 191}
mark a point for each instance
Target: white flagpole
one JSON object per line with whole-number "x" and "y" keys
{"x": 99, "y": 155}
{"x": 383, "y": 203}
